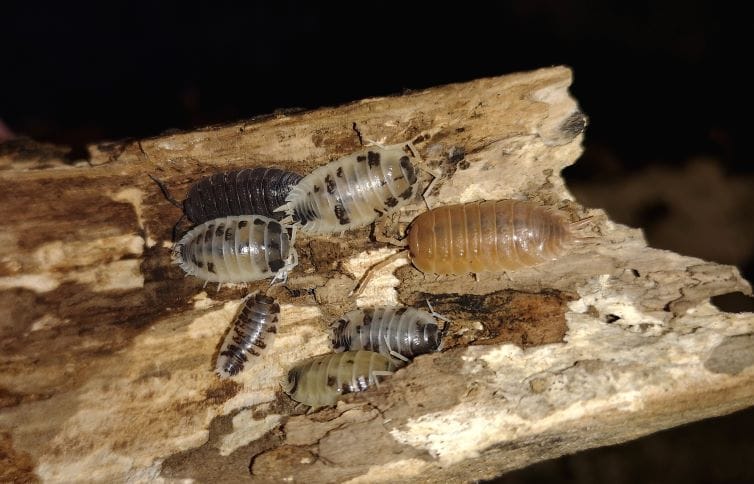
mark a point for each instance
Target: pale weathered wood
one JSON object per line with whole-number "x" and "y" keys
{"x": 107, "y": 350}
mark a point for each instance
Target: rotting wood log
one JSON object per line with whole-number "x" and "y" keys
{"x": 108, "y": 350}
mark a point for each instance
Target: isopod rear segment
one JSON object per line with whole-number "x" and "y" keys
{"x": 353, "y": 191}
{"x": 237, "y": 249}
{"x": 399, "y": 332}
{"x": 250, "y": 336}
{"x": 321, "y": 380}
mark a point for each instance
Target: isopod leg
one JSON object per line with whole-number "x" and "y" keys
{"x": 376, "y": 373}
{"x": 394, "y": 353}
{"x": 369, "y": 273}
{"x": 441, "y": 318}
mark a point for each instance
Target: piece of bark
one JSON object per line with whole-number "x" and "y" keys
{"x": 108, "y": 351}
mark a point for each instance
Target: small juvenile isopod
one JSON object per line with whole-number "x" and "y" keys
{"x": 402, "y": 333}
{"x": 353, "y": 191}
{"x": 252, "y": 191}
{"x": 488, "y": 236}
{"x": 236, "y": 249}
{"x": 321, "y": 380}
{"x": 252, "y": 333}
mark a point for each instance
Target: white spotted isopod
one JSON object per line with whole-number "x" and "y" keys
{"x": 353, "y": 191}
{"x": 237, "y": 249}
{"x": 399, "y": 332}
{"x": 251, "y": 334}
{"x": 321, "y": 380}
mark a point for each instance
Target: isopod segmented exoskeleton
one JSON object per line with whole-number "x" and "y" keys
{"x": 252, "y": 191}
{"x": 236, "y": 249}
{"x": 402, "y": 333}
{"x": 251, "y": 334}
{"x": 353, "y": 191}
{"x": 321, "y": 380}
{"x": 488, "y": 236}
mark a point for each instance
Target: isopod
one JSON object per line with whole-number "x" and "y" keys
{"x": 252, "y": 191}
{"x": 251, "y": 334}
{"x": 353, "y": 191}
{"x": 402, "y": 333}
{"x": 487, "y": 236}
{"x": 236, "y": 249}
{"x": 321, "y": 380}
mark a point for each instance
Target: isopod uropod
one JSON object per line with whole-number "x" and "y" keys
{"x": 353, "y": 191}
{"x": 251, "y": 334}
{"x": 236, "y": 249}
{"x": 488, "y": 236}
{"x": 402, "y": 333}
{"x": 321, "y": 380}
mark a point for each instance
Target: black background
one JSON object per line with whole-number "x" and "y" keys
{"x": 662, "y": 82}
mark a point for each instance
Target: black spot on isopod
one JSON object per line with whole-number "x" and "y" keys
{"x": 358, "y": 329}
{"x": 276, "y": 265}
{"x": 211, "y": 267}
{"x": 379, "y": 213}
{"x": 228, "y": 233}
{"x": 219, "y": 231}
{"x": 368, "y": 315}
{"x": 260, "y": 343}
{"x": 373, "y": 158}
{"x": 316, "y": 188}
{"x": 361, "y": 158}
{"x": 340, "y": 212}
{"x": 331, "y": 381}
{"x": 339, "y": 172}
{"x": 391, "y": 202}
{"x": 258, "y": 221}
{"x": 208, "y": 233}
{"x": 199, "y": 264}
{"x": 242, "y": 224}
{"x": 329, "y": 184}
{"x": 408, "y": 169}
{"x": 345, "y": 388}
{"x": 400, "y": 311}
{"x": 407, "y": 193}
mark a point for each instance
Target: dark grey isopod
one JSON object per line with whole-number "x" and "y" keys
{"x": 244, "y": 248}
{"x": 251, "y": 335}
{"x": 254, "y": 191}
{"x": 393, "y": 331}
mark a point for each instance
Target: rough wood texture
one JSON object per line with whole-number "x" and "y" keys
{"x": 107, "y": 350}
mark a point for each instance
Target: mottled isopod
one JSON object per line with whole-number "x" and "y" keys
{"x": 252, "y": 333}
{"x": 321, "y": 380}
{"x": 252, "y": 191}
{"x": 399, "y": 332}
{"x": 243, "y": 248}
{"x": 489, "y": 236}
{"x": 353, "y": 191}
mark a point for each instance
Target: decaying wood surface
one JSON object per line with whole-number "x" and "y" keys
{"x": 107, "y": 350}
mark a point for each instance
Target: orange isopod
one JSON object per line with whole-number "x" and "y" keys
{"x": 488, "y": 236}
